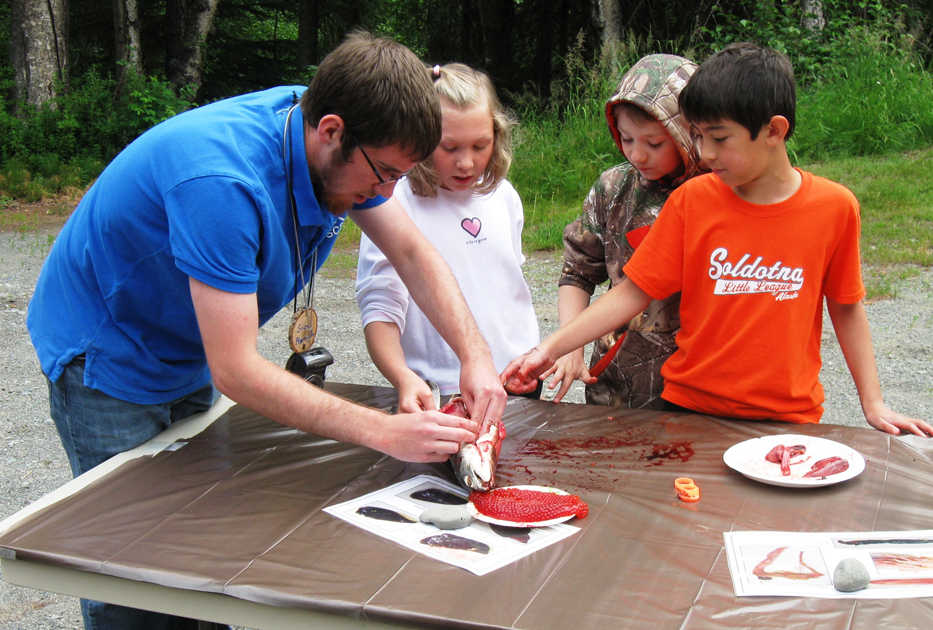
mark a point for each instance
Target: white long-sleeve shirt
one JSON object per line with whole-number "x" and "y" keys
{"x": 480, "y": 238}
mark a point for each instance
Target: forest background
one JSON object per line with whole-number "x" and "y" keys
{"x": 83, "y": 78}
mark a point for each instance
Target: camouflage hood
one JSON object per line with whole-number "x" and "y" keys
{"x": 653, "y": 84}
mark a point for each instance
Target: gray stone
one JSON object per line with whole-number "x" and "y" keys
{"x": 447, "y": 516}
{"x": 850, "y": 575}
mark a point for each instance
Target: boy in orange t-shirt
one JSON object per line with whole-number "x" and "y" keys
{"x": 753, "y": 246}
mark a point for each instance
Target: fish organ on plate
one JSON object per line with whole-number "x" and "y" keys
{"x": 522, "y": 505}
{"x": 827, "y": 467}
{"x": 782, "y": 455}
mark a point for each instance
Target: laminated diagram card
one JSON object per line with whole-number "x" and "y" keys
{"x": 890, "y": 564}
{"x": 393, "y": 513}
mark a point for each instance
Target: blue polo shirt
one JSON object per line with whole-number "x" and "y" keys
{"x": 202, "y": 194}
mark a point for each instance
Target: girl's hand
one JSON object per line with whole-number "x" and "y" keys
{"x": 414, "y": 394}
{"x": 881, "y": 417}
{"x": 565, "y": 371}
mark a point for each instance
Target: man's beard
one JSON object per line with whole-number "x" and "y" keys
{"x": 335, "y": 204}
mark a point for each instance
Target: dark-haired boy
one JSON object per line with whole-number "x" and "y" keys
{"x": 754, "y": 246}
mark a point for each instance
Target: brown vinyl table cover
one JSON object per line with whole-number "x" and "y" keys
{"x": 238, "y": 510}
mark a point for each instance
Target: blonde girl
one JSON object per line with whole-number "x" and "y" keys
{"x": 461, "y": 200}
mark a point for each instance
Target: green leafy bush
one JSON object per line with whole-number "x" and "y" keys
{"x": 67, "y": 141}
{"x": 867, "y": 94}
{"x": 875, "y": 99}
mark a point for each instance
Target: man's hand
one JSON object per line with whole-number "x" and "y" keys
{"x": 483, "y": 393}
{"x": 884, "y": 419}
{"x": 426, "y": 436}
{"x": 565, "y": 371}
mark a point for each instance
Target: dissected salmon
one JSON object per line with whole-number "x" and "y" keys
{"x": 475, "y": 463}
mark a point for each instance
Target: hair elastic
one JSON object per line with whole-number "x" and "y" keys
{"x": 436, "y": 72}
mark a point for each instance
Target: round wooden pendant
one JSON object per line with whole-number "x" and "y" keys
{"x": 302, "y": 332}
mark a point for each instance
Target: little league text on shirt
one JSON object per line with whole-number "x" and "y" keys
{"x": 753, "y": 277}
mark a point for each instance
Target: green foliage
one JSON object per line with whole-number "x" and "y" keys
{"x": 813, "y": 52}
{"x": 561, "y": 150}
{"x": 871, "y": 96}
{"x": 875, "y": 99}
{"x": 67, "y": 142}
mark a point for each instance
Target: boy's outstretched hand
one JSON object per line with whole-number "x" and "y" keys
{"x": 885, "y": 419}
{"x": 521, "y": 375}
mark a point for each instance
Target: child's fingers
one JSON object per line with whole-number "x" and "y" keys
{"x": 565, "y": 384}
{"x": 896, "y": 423}
{"x": 917, "y": 427}
{"x": 883, "y": 425}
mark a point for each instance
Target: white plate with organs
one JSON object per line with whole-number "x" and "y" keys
{"x": 795, "y": 461}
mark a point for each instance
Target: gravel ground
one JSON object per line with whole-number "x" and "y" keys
{"x": 33, "y": 462}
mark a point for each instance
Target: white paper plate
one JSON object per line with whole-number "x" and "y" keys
{"x": 748, "y": 458}
{"x": 496, "y": 521}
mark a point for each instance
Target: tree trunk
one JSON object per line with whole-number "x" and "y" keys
{"x": 189, "y": 22}
{"x": 544, "y": 48}
{"x": 610, "y": 24}
{"x": 126, "y": 37}
{"x": 813, "y": 19}
{"x": 502, "y": 41}
{"x": 38, "y": 48}
{"x": 309, "y": 22}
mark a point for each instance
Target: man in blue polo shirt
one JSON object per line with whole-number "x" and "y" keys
{"x": 206, "y": 226}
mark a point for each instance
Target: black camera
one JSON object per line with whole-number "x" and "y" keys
{"x": 310, "y": 365}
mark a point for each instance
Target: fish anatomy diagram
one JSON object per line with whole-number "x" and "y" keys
{"x": 891, "y": 564}
{"x": 394, "y": 513}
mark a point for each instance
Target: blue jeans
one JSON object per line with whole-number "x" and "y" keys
{"x": 94, "y": 427}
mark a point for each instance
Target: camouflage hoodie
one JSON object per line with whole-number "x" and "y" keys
{"x": 620, "y": 208}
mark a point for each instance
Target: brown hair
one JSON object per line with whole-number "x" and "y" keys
{"x": 382, "y": 92}
{"x": 463, "y": 87}
{"x": 635, "y": 112}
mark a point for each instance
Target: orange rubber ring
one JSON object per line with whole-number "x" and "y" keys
{"x": 687, "y": 490}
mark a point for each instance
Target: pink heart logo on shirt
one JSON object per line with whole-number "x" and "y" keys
{"x": 472, "y": 226}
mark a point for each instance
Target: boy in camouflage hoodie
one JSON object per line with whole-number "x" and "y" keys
{"x": 645, "y": 122}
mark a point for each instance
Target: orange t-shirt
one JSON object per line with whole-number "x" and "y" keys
{"x": 752, "y": 280}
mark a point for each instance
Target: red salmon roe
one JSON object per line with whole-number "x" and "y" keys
{"x": 527, "y": 506}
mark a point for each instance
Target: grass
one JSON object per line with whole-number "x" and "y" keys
{"x": 50, "y": 211}
{"x": 896, "y": 197}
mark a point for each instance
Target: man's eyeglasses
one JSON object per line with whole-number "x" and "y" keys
{"x": 382, "y": 180}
